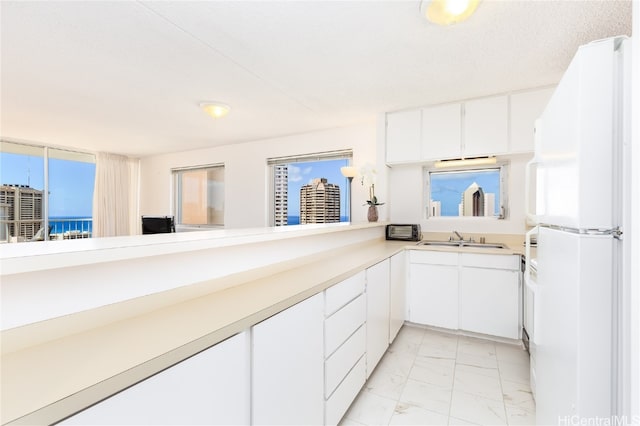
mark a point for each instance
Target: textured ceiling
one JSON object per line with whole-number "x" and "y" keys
{"x": 127, "y": 77}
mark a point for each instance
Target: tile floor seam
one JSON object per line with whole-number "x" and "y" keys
{"x": 504, "y": 404}
{"x": 455, "y": 366}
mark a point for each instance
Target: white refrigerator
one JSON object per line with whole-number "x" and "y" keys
{"x": 580, "y": 209}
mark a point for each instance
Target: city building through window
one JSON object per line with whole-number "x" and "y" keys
{"x": 28, "y": 173}
{"x": 478, "y": 192}
{"x": 199, "y": 195}
{"x": 310, "y": 188}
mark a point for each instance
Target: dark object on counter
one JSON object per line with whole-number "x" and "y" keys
{"x": 406, "y": 232}
{"x": 158, "y": 225}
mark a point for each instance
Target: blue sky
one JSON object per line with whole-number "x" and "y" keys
{"x": 303, "y": 173}
{"x": 447, "y": 188}
{"x": 70, "y": 182}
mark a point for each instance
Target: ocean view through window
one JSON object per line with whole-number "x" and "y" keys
{"x": 309, "y": 189}
{"x": 28, "y": 173}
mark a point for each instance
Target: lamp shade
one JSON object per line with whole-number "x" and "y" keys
{"x": 349, "y": 171}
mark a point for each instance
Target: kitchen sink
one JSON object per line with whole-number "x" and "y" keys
{"x": 484, "y": 245}
{"x": 462, "y": 244}
{"x": 440, "y": 243}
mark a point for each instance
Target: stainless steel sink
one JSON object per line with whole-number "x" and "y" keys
{"x": 440, "y": 243}
{"x": 484, "y": 245}
{"x": 462, "y": 244}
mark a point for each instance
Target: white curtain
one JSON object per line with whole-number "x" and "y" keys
{"x": 115, "y": 196}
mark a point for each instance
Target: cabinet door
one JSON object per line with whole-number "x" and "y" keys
{"x": 490, "y": 302}
{"x": 288, "y": 366}
{"x": 397, "y": 293}
{"x": 403, "y": 136}
{"x": 211, "y": 387}
{"x": 526, "y": 108}
{"x": 441, "y": 132}
{"x": 377, "y": 313}
{"x": 486, "y": 130}
{"x": 433, "y": 295}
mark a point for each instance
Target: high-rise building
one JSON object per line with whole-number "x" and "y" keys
{"x": 281, "y": 198}
{"x": 435, "y": 208}
{"x": 320, "y": 202}
{"x": 473, "y": 201}
{"x": 489, "y": 204}
{"x": 22, "y": 210}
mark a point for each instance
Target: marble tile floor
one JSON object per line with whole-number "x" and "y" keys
{"x": 428, "y": 377}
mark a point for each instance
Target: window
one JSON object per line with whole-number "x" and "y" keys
{"x": 28, "y": 173}
{"x": 199, "y": 195}
{"x": 309, "y": 189}
{"x": 477, "y": 192}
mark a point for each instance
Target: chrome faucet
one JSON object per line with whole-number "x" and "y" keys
{"x": 458, "y": 235}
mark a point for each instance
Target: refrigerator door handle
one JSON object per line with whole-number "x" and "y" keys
{"x": 530, "y": 215}
{"x": 527, "y": 253}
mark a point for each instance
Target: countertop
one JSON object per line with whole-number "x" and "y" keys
{"x": 89, "y": 366}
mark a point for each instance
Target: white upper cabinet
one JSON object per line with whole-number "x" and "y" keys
{"x": 526, "y": 108}
{"x": 486, "y": 128}
{"x": 493, "y": 125}
{"x": 441, "y": 126}
{"x": 403, "y": 136}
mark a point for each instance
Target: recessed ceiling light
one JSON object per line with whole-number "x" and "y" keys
{"x": 447, "y": 12}
{"x": 215, "y": 109}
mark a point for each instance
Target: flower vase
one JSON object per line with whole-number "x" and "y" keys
{"x": 372, "y": 213}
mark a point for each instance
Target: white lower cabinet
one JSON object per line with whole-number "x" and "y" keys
{"x": 397, "y": 293}
{"x": 489, "y": 298}
{"x": 467, "y": 291}
{"x": 345, "y": 393}
{"x": 433, "y": 289}
{"x": 377, "y": 313}
{"x": 210, "y": 388}
{"x": 345, "y": 334}
{"x": 304, "y": 365}
{"x": 287, "y": 366}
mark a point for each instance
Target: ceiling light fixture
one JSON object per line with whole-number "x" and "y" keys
{"x": 447, "y": 12}
{"x": 215, "y": 109}
{"x": 463, "y": 162}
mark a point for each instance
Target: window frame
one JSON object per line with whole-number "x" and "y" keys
{"x": 176, "y": 173}
{"x": 502, "y": 166}
{"x": 345, "y": 154}
{"x": 47, "y": 152}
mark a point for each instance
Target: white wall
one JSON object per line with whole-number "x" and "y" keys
{"x": 246, "y": 172}
{"x": 407, "y": 202}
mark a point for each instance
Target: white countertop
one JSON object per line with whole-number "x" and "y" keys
{"x": 51, "y": 369}
{"x": 42, "y": 255}
{"x": 89, "y": 366}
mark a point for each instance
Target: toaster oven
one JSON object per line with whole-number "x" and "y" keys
{"x": 410, "y": 232}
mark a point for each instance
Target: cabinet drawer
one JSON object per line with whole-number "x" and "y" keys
{"x": 337, "y": 405}
{"x": 342, "y": 293}
{"x": 492, "y": 261}
{"x": 433, "y": 257}
{"x": 343, "y": 323}
{"x": 343, "y": 359}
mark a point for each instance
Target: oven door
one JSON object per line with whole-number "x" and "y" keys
{"x": 530, "y": 288}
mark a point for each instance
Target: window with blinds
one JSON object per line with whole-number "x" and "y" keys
{"x": 309, "y": 188}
